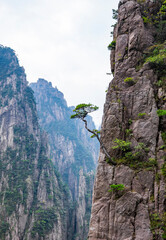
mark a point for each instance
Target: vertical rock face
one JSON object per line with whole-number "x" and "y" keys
{"x": 84, "y": 203}
{"x": 72, "y": 151}
{"x": 32, "y": 196}
{"x": 134, "y": 130}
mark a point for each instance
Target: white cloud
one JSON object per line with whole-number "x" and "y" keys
{"x": 63, "y": 41}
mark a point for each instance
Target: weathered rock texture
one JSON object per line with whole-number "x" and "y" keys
{"x": 73, "y": 152}
{"x": 130, "y": 114}
{"x": 32, "y": 196}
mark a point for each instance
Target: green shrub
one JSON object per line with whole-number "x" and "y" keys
{"x": 146, "y": 19}
{"x": 163, "y": 135}
{"x": 129, "y": 81}
{"x": 128, "y": 132}
{"x": 141, "y": 146}
{"x": 162, "y": 81}
{"x": 153, "y": 161}
{"x": 114, "y": 14}
{"x": 163, "y": 170}
{"x": 130, "y": 121}
{"x": 162, "y": 147}
{"x": 116, "y": 188}
{"x": 135, "y": 158}
{"x": 140, "y": 115}
{"x": 122, "y": 145}
{"x": 163, "y": 9}
{"x": 159, "y": 83}
{"x": 161, "y": 112}
{"x": 157, "y": 58}
{"x": 112, "y": 45}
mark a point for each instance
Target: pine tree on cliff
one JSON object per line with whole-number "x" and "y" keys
{"x": 81, "y": 111}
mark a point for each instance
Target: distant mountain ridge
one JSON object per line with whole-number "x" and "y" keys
{"x": 54, "y": 117}
{"x": 73, "y": 152}
{"x": 33, "y": 200}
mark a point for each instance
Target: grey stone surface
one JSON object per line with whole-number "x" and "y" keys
{"x": 127, "y": 216}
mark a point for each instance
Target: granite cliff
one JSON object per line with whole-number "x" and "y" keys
{"x": 73, "y": 152}
{"x": 45, "y": 189}
{"x": 129, "y": 198}
{"x": 33, "y": 199}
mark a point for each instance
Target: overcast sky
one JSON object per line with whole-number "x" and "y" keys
{"x": 63, "y": 41}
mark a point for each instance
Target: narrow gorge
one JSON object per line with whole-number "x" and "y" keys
{"x": 73, "y": 152}
{"x": 53, "y": 184}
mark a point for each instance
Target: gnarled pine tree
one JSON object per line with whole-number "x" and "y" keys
{"x": 81, "y": 111}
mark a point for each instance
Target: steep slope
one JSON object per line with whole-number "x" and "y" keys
{"x": 32, "y": 196}
{"x": 134, "y": 129}
{"x": 72, "y": 151}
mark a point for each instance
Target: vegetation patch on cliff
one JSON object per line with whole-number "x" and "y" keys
{"x": 158, "y": 225}
{"x": 133, "y": 156}
{"x": 4, "y": 228}
{"x": 44, "y": 221}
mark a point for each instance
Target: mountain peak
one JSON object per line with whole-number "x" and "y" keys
{"x": 42, "y": 81}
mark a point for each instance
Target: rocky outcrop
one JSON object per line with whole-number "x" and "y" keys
{"x": 73, "y": 152}
{"x": 33, "y": 199}
{"x": 129, "y": 199}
